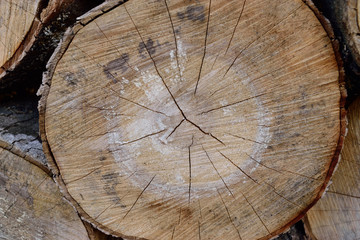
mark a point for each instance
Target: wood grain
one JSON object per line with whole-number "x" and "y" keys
{"x": 31, "y": 204}
{"x": 186, "y": 120}
{"x": 337, "y": 214}
{"x": 12, "y": 13}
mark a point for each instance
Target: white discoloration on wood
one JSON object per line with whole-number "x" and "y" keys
{"x": 208, "y": 111}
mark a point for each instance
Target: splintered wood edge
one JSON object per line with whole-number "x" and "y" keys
{"x": 11, "y": 148}
{"x": 44, "y": 91}
{"x": 25, "y": 45}
{"x": 352, "y": 23}
{"x": 92, "y": 233}
{"x": 43, "y": 16}
{"x": 108, "y": 6}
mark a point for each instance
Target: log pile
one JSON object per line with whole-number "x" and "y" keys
{"x": 30, "y": 31}
{"x": 173, "y": 119}
{"x": 337, "y": 214}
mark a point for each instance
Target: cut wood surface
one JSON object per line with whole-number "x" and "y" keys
{"x": 31, "y": 205}
{"x": 29, "y": 33}
{"x": 16, "y": 19}
{"x": 337, "y": 214}
{"x": 194, "y": 119}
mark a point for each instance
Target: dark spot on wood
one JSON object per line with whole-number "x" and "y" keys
{"x": 147, "y": 47}
{"x": 110, "y": 176}
{"x": 110, "y": 182}
{"x": 70, "y": 79}
{"x": 102, "y": 158}
{"x": 3, "y": 179}
{"x": 115, "y": 65}
{"x": 23, "y": 192}
{"x": 181, "y": 15}
{"x": 82, "y": 197}
{"x": 193, "y": 13}
{"x": 186, "y": 213}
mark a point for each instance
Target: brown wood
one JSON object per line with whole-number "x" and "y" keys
{"x": 186, "y": 120}
{"x": 30, "y": 31}
{"x": 31, "y": 205}
{"x": 344, "y": 17}
{"x": 16, "y": 20}
{"x": 337, "y": 214}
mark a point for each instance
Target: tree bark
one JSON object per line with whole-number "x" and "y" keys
{"x": 206, "y": 119}
{"x": 344, "y": 16}
{"x": 337, "y": 214}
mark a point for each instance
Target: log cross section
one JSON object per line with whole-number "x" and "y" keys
{"x": 194, "y": 119}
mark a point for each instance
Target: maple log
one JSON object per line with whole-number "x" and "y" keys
{"x": 31, "y": 204}
{"x": 20, "y": 144}
{"x": 194, "y": 119}
{"x": 337, "y": 214}
{"x": 29, "y": 32}
{"x": 344, "y": 16}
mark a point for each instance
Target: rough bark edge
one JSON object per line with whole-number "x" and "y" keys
{"x": 352, "y": 27}
{"x": 44, "y": 91}
{"x": 51, "y": 20}
{"x": 109, "y": 5}
{"x": 11, "y": 148}
{"x": 40, "y": 20}
{"x": 342, "y": 116}
{"x": 92, "y": 234}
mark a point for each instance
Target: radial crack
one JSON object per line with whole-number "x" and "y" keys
{"x": 252, "y": 207}
{"x": 237, "y": 23}
{"x": 138, "y": 104}
{"x": 117, "y": 50}
{"x": 153, "y": 61}
{"x": 175, "y": 128}
{"x": 35, "y": 190}
{"x": 256, "y": 181}
{"x": 231, "y": 104}
{"x": 255, "y": 40}
{"x": 77, "y": 179}
{"x": 146, "y": 136}
{"x": 279, "y": 171}
{"x": 343, "y": 194}
{"x": 208, "y": 157}
{"x": 203, "y": 57}
{"x": 192, "y": 141}
{"x": 245, "y": 139}
{"x": 176, "y": 45}
{"x": 228, "y": 213}
{"x": 206, "y": 133}
{"x": 139, "y": 196}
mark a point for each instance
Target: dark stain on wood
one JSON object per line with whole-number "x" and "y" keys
{"x": 193, "y": 13}
{"x": 70, "y": 79}
{"x": 117, "y": 64}
{"x": 149, "y": 47}
{"x": 3, "y": 179}
{"x": 111, "y": 180}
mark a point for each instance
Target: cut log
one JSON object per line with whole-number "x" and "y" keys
{"x": 30, "y": 31}
{"x": 31, "y": 204}
{"x": 345, "y": 18}
{"x": 337, "y": 214}
{"x": 16, "y": 20}
{"x": 194, "y": 119}
{"x": 19, "y": 134}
